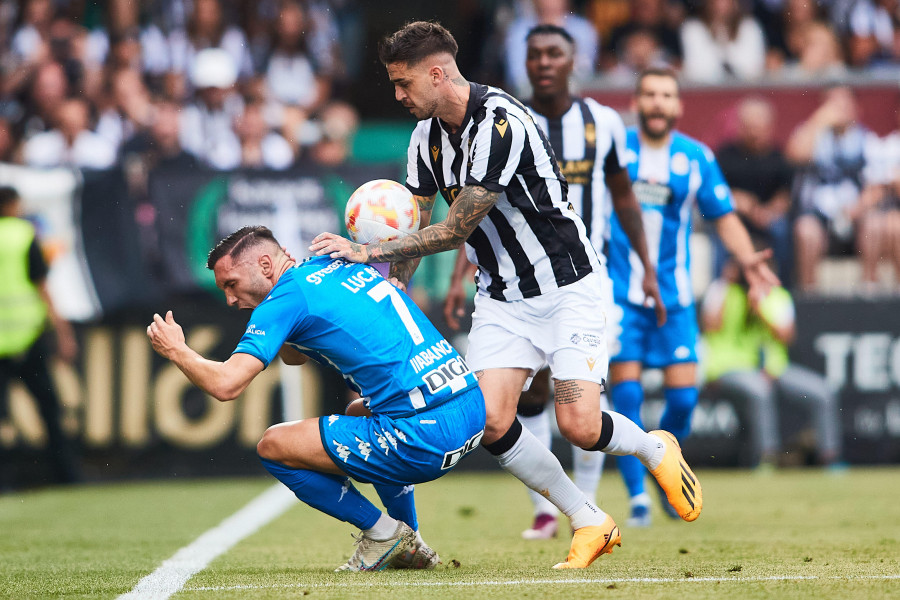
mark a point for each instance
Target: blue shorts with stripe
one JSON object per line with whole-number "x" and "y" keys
{"x": 405, "y": 450}
{"x": 639, "y": 339}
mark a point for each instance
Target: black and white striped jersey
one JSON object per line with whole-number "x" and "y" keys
{"x": 532, "y": 241}
{"x": 589, "y": 143}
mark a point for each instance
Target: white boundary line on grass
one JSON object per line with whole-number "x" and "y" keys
{"x": 173, "y": 573}
{"x": 414, "y": 584}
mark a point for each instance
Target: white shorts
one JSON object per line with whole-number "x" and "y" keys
{"x": 565, "y": 329}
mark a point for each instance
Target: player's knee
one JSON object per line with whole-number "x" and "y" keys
{"x": 269, "y": 447}
{"x": 496, "y": 425}
{"x": 581, "y": 432}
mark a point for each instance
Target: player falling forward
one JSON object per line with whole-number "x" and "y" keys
{"x": 588, "y": 140}
{"x": 427, "y": 410}
{"x": 670, "y": 172}
{"x": 539, "y": 297}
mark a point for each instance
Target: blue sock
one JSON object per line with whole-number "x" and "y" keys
{"x": 676, "y": 418}
{"x": 627, "y": 398}
{"x": 400, "y": 502}
{"x": 332, "y": 494}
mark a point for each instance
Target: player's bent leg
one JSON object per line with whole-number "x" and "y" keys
{"x": 522, "y": 455}
{"x": 297, "y": 444}
{"x": 294, "y": 454}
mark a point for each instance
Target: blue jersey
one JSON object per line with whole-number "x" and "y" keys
{"x": 667, "y": 182}
{"x": 348, "y": 316}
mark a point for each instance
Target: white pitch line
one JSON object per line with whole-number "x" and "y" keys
{"x": 173, "y": 573}
{"x": 513, "y": 582}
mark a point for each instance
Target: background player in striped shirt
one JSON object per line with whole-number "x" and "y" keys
{"x": 671, "y": 173}
{"x": 588, "y": 140}
{"x": 539, "y": 296}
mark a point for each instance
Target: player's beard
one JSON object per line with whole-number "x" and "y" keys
{"x": 257, "y": 289}
{"x": 426, "y": 111}
{"x": 655, "y": 135}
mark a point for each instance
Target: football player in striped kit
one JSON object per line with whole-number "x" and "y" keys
{"x": 588, "y": 140}
{"x": 539, "y": 294}
{"x": 671, "y": 173}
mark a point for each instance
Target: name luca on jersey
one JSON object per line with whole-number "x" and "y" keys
{"x": 358, "y": 281}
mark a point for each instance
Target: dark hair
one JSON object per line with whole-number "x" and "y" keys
{"x": 660, "y": 71}
{"x": 547, "y": 29}
{"x": 8, "y": 195}
{"x": 235, "y": 244}
{"x": 416, "y": 41}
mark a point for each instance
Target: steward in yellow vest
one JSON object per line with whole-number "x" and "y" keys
{"x": 25, "y": 308}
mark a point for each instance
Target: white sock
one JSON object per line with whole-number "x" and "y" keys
{"x": 539, "y": 426}
{"x": 383, "y": 529}
{"x": 642, "y": 499}
{"x": 588, "y": 466}
{"x": 535, "y": 466}
{"x": 587, "y": 515}
{"x": 629, "y": 439}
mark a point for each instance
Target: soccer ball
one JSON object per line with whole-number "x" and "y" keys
{"x": 379, "y": 211}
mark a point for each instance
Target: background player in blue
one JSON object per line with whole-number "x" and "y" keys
{"x": 671, "y": 172}
{"x": 427, "y": 409}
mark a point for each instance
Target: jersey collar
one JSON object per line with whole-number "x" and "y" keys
{"x": 477, "y": 93}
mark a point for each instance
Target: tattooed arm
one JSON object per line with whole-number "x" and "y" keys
{"x": 471, "y": 205}
{"x": 631, "y": 217}
{"x": 404, "y": 269}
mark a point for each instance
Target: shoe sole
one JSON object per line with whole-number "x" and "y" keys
{"x": 688, "y": 499}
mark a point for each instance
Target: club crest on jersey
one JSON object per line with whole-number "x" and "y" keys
{"x": 590, "y": 134}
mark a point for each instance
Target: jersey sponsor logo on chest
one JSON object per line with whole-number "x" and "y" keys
{"x": 577, "y": 172}
{"x": 652, "y": 194}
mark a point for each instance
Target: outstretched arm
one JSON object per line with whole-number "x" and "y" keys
{"x": 222, "y": 380}
{"x": 754, "y": 264}
{"x": 471, "y": 205}
{"x": 630, "y": 216}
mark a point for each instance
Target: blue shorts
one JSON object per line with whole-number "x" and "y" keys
{"x": 401, "y": 451}
{"x": 640, "y": 340}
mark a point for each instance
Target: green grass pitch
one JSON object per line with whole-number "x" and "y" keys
{"x": 790, "y": 534}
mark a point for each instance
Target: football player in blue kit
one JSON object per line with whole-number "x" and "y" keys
{"x": 427, "y": 410}
{"x": 671, "y": 173}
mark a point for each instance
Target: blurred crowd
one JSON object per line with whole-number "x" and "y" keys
{"x": 224, "y": 84}
{"x": 268, "y": 83}
{"x": 714, "y": 41}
